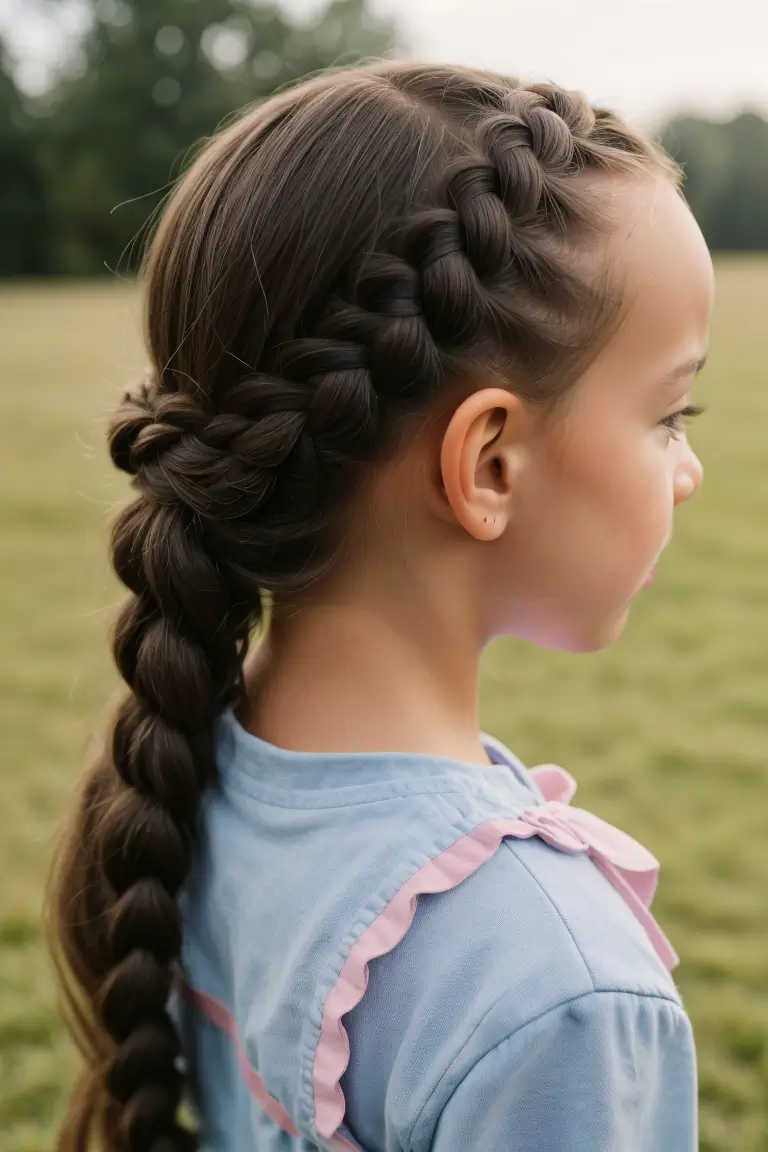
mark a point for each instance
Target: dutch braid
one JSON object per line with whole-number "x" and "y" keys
{"x": 440, "y": 234}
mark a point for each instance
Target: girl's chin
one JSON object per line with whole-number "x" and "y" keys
{"x": 586, "y": 638}
{"x": 588, "y": 629}
{"x": 601, "y": 635}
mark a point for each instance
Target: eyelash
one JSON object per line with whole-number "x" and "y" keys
{"x": 673, "y": 424}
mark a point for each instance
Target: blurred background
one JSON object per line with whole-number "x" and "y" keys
{"x": 102, "y": 105}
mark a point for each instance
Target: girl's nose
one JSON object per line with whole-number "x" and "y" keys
{"x": 688, "y": 477}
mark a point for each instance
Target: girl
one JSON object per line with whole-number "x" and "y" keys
{"x": 422, "y": 342}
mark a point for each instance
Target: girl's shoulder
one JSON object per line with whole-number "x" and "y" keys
{"x": 378, "y": 925}
{"x": 512, "y": 955}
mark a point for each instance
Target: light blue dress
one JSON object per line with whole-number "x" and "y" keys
{"x": 398, "y": 953}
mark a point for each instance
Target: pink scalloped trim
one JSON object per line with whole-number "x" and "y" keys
{"x": 445, "y": 871}
{"x": 627, "y": 865}
{"x": 215, "y": 1011}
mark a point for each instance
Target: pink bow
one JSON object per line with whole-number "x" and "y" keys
{"x": 631, "y": 869}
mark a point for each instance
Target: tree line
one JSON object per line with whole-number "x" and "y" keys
{"x": 85, "y": 164}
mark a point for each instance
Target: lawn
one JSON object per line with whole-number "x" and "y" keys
{"x": 667, "y": 732}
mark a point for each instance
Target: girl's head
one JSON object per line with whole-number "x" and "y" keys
{"x": 343, "y": 267}
{"x": 414, "y": 330}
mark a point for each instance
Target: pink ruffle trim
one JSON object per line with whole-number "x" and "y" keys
{"x": 631, "y": 869}
{"x": 215, "y": 1011}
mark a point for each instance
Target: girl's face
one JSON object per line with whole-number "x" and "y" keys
{"x": 592, "y": 509}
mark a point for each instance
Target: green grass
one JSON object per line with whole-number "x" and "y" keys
{"x": 667, "y": 732}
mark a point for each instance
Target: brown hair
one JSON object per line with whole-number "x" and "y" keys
{"x": 329, "y": 264}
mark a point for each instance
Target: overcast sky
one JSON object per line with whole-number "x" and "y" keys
{"x": 646, "y": 57}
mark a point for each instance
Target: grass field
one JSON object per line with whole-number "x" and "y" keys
{"x": 667, "y": 732}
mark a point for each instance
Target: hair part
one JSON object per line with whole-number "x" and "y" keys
{"x": 332, "y": 262}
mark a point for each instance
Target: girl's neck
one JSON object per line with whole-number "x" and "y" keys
{"x": 347, "y": 677}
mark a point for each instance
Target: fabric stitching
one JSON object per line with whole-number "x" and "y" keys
{"x": 560, "y": 916}
{"x": 350, "y": 939}
{"x": 407, "y": 793}
{"x": 505, "y": 843}
{"x": 485, "y": 792}
{"x": 444, "y": 784}
{"x": 459, "y": 835}
{"x": 342, "y": 1140}
{"x": 622, "y": 992}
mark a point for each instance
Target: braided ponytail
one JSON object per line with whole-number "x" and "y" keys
{"x": 331, "y": 263}
{"x": 178, "y": 644}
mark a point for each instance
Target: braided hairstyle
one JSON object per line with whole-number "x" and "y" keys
{"x": 331, "y": 265}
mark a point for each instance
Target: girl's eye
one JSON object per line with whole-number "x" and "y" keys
{"x": 674, "y": 422}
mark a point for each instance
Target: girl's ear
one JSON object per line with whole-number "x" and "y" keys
{"x": 482, "y": 455}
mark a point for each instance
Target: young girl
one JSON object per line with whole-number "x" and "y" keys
{"x": 422, "y": 342}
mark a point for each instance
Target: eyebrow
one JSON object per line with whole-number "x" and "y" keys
{"x": 689, "y": 368}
